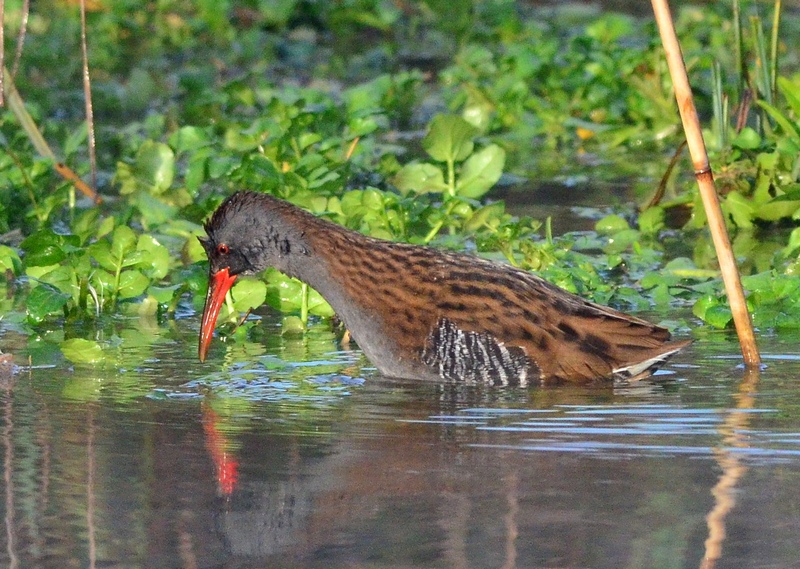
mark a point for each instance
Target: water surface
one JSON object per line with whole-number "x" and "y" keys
{"x": 291, "y": 452}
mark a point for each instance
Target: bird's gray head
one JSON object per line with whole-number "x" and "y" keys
{"x": 247, "y": 234}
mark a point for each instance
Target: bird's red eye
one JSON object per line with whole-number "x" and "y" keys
{"x": 223, "y": 249}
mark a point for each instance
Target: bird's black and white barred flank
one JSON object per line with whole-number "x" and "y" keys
{"x": 475, "y": 357}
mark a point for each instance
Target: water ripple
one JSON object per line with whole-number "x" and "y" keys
{"x": 624, "y": 431}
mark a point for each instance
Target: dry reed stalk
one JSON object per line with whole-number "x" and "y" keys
{"x": 705, "y": 181}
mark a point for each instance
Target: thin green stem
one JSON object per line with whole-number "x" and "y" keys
{"x": 739, "y": 47}
{"x": 451, "y": 177}
{"x": 773, "y": 49}
{"x": 433, "y": 232}
{"x": 720, "y": 122}
{"x": 115, "y": 293}
{"x": 304, "y": 292}
{"x": 762, "y": 65}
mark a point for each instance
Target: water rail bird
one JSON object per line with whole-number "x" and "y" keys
{"x": 421, "y": 312}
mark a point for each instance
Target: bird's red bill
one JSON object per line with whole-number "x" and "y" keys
{"x": 218, "y": 286}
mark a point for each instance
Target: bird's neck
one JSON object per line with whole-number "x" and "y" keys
{"x": 308, "y": 249}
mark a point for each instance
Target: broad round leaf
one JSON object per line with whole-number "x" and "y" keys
{"x": 43, "y": 301}
{"x": 248, "y": 294}
{"x": 449, "y": 138}
{"x": 123, "y": 241}
{"x": 154, "y": 257}
{"x": 81, "y": 351}
{"x": 155, "y": 166}
{"x": 481, "y": 171}
{"x": 419, "y": 179}
{"x": 611, "y": 224}
{"x": 132, "y": 283}
{"x": 188, "y": 138}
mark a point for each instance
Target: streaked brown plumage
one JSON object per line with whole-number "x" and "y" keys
{"x": 420, "y": 312}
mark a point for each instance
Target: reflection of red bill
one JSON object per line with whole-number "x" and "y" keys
{"x": 224, "y": 460}
{"x": 218, "y": 286}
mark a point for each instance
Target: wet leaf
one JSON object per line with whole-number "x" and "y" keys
{"x": 286, "y": 294}
{"x": 652, "y": 220}
{"x": 123, "y": 241}
{"x": 164, "y": 294}
{"x": 152, "y": 171}
{"x": 155, "y": 163}
{"x": 189, "y": 138}
{"x": 481, "y": 171}
{"x": 611, "y": 224}
{"x": 718, "y": 316}
{"x": 132, "y": 283}
{"x": 747, "y": 139}
{"x": 9, "y": 260}
{"x": 449, "y": 138}
{"x": 483, "y": 216}
{"x": 155, "y": 258}
{"x": 248, "y": 294}
{"x": 43, "y": 301}
{"x": 420, "y": 179}
{"x": 81, "y": 351}
{"x": 43, "y": 248}
{"x": 101, "y": 252}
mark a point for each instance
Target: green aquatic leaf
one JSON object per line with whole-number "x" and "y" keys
{"x": 155, "y": 210}
{"x": 189, "y": 138}
{"x": 611, "y": 224}
{"x": 152, "y": 171}
{"x": 481, "y": 171}
{"x": 292, "y": 325}
{"x": 43, "y": 248}
{"x": 132, "y": 283}
{"x": 718, "y": 316}
{"x": 197, "y": 170}
{"x": 713, "y": 310}
{"x": 123, "y": 241}
{"x": 484, "y": 216}
{"x": 747, "y": 139}
{"x": 317, "y": 305}
{"x": 101, "y": 252}
{"x": 740, "y": 209}
{"x": 154, "y": 258}
{"x": 9, "y": 260}
{"x": 286, "y": 294}
{"x": 82, "y": 351}
{"x": 777, "y": 209}
{"x": 419, "y": 179}
{"x": 164, "y": 294}
{"x": 785, "y": 122}
{"x": 248, "y": 294}
{"x": 45, "y": 255}
{"x": 449, "y": 138}
{"x": 106, "y": 226}
{"x": 155, "y": 163}
{"x": 63, "y": 277}
{"x": 362, "y": 126}
{"x": 43, "y": 301}
{"x": 652, "y": 220}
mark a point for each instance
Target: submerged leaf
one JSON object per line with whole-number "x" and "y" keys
{"x": 81, "y": 351}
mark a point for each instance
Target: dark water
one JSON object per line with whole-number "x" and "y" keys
{"x": 154, "y": 460}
